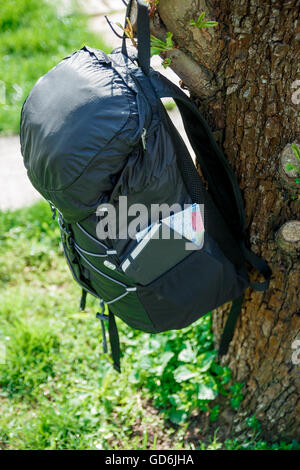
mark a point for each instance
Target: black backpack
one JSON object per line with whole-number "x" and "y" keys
{"x": 94, "y": 129}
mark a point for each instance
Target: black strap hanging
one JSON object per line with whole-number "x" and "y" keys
{"x": 114, "y": 341}
{"x": 83, "y": 299}
{"x": 102, "y": 317}
{"x": 229, "y": 328}
{"x": 264, "y": 269}
{"x": 143, "y": 34}
{"x": 261, "y": 265}
{"x": 113, "y": 335}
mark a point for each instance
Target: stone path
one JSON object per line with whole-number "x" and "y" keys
{"x": 15, "y": 189}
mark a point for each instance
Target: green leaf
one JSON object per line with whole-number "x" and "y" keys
{"x": 290, "y": 167}
{"x": 187, "y": 354}
{"x": 200, "y": 23}
{"x": 205, "y": 360}
{"x": 158, "y": 46}
{"x": 237, "y": 396}
{"x": 157, "y": 42}
{"x": 177, "y": 416}
{"x": 236, "y": 402}
{"x": 206, "y": 393}
{"x": 155, "y": 51}
{"x": 183, "y": 373}
{"x": 201, "y": 17}
{"x": 146, "y": 363}
{"x": 214, "y": 413}
{"x": 209, "y": 24}
{"x": 176, "y": 401}
{"x": 296, "y": 151}
{"x": 164, "y": 359}
{"x": 166, "y": 62}
{"x": 169, "y": 41}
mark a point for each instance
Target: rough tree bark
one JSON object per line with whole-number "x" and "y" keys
{"x": 241, "y": 76}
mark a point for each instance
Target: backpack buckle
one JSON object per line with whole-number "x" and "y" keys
{"x": 101, "y": 316}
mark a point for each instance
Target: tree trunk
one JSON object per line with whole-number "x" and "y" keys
{"x": 242, "y": 75}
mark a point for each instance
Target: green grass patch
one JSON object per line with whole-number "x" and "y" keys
{"x": 59, "y": 391}
{"x": 34, "y": 37}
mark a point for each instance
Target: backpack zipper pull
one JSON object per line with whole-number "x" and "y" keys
{"x": 143, "y": 137}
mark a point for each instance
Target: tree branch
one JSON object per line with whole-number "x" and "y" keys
{"x": 288, "y": 237}
{"x": 195, "y": 76}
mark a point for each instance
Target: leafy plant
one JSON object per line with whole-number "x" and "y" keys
{"x": 236, "y": 395}
{"x": 296, "y": 151}
{"x": 201, "y": 22}
{"x": 158, "y": 46}
{"x": 290, "y": 166}
{"x": 166, "y": 62}
{"x": 128, "y": 30}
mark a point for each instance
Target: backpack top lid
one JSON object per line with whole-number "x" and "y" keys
{"x": 78, "y": 124}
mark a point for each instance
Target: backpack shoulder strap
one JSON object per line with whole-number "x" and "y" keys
{"x": 223, "y": 186}
{"x": 222, "y": 182}
{"x": 143, "y": 34}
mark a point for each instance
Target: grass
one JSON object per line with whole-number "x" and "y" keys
{"x": 33, "y": 39}
{"x": 59, "y": 391}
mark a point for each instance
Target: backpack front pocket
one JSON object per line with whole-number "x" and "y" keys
{"x": 201, "y": 282}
